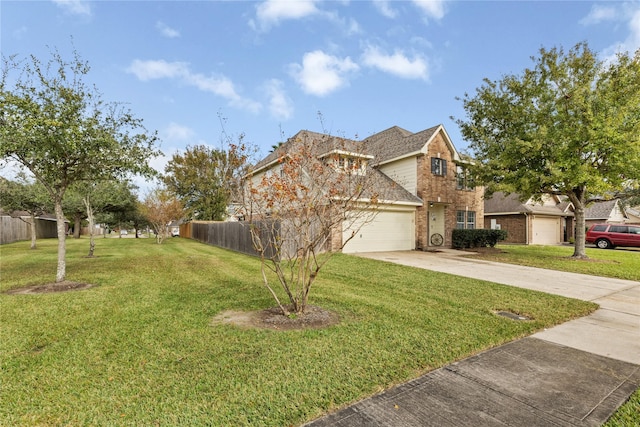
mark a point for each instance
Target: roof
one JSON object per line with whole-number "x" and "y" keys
{"x": 323, "y": 144}
{"x": 395, "y": 143}
{"x": 502, "y": 204}
{"x": 601, "y": 210}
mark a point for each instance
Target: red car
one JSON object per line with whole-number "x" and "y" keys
{"x": 608, "y": 236}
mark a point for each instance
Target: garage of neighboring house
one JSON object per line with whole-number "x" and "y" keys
{"x": 390, "y": 230}
{"x": 547, "y": 221}
{"x": 545, "y": 230}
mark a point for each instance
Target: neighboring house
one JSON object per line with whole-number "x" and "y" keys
{"x": 427, "y": 193}
{"x": 604, "y": 211}
{"x": 548, "y": 221}
{"x": 633, "y": 215}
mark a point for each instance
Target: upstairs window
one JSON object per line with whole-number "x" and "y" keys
{"x": 438, "y": 166}
{"x": 353, "y": 165}
{"x": 463, "y": 179}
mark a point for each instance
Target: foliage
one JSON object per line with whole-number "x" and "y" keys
{"x": 160, "y": 207}
{"x": 308, "y": 190}
{"x": 25, "y": 195}
{"x": 140, "y": 349}
{"x": 202, "y": 178}
{"x": 58, "y": 127}
{"x": 477, "y": 238}
{"x": 569, "y": 126}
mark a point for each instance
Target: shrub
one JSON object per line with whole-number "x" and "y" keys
{"x": 477, "y": 238}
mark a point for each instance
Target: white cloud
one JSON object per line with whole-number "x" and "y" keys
{"x": 280, "y": 105}
{"x": 218, "y": 85}
{"x": 397, "y": 64}
{"x": 74, "y": 7}
{"x": 167, "y": 31}
{"x": 321, "y": 74}
{"x": 432, "y": 9}
{"x": 598, "y": 14}
{"x": 623, "y": 13}
{"x": 271, "y": 12}
{"x": 384, "y": 7}
{"x": 176, "y": 132}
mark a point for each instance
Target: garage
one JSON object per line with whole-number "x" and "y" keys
{"x": 545, "y": 231}
{"x": 389, "y": 231}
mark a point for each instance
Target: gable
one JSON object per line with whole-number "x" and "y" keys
{"x": 396, "y": 143}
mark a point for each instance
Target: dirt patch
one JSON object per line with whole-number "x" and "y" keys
{"x": 64, "y": 286}
{"x": 272, "y": 318}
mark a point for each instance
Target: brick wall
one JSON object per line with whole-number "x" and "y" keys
{"x": 442, "y": 190}
{"x": 515, "y": 225}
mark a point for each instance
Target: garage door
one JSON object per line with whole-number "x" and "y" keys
{"x": 389, "y": 231}
{"x": 546, "y": 231}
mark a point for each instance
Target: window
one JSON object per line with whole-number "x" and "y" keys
{"x": 463, "y": 180}
{"x": 471, "y": 220}
{"x": 618, "y": 229}
{"x": 465, "y": 219}
{"x": 438, "y": 166}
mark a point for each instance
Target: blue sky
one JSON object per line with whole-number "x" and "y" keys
{"x": 268, "y": 68}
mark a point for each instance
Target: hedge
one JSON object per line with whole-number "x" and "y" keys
{"x": 477, "y": 238}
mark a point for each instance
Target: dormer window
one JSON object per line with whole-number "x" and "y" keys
{"x": 347, "y": 162}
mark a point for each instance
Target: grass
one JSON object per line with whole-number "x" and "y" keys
{"x": 621, "y": 263}
{"x": 139, "y": 348}
{"x": 628, "y": 415}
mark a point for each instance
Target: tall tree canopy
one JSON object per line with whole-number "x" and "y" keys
{"x": 58, "y": 127}
{"x": 198, "y": 178}
{"x": 568, "y": 126}
{"x": 207, "y": 179}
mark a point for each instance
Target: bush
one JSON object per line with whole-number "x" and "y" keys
{"x": 477, "y": 238}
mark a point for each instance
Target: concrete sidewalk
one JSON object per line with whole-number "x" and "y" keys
{"x": 575, "y": 374}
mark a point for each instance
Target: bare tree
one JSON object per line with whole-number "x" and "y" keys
{"x": 160, "y": 207}
{"x": 305, "y": 201}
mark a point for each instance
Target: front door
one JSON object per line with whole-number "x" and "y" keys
{"x": 436, "y": 235}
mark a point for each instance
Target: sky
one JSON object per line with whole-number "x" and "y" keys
{"x": 195, "y": 71}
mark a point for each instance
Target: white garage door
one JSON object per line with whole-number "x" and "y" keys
{"x": 389, "y": 231}
{"x": 546, "y": 231}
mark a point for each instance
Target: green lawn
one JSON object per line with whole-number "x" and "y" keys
{"x": 621, "y": 263}
{"x": 139, "y": 348}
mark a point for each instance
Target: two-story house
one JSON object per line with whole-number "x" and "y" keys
{"x": 427, "y": 192}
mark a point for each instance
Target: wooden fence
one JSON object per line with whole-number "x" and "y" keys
{"x": 235, "y": 236}
{"x": 14, "y": 229}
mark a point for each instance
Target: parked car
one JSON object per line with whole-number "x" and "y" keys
{"x": 175, "y": 232}
{"x": 608, "y": 236}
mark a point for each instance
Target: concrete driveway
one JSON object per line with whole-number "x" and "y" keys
{"x": 574, "y": 374}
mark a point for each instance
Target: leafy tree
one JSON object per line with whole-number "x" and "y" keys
{"x": 25, "y": 195}
{"x": 160, "y": 207}
{"x": 568, "y": 126}
{"x": 198, "y": 178}
{"x": 316, "y": 187}
{"x": 58, "y": 127}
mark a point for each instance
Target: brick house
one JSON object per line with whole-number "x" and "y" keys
{"x": 548, "y": 221}
{"x": 428, "y": 193}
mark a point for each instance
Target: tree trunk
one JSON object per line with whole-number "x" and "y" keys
{"x": 578, "y": 200}
{"x": 77, "y": 226}
{"x": 92, "y": 243}
{"x": 32, "y": 226}
{"x": 62, "y": 236}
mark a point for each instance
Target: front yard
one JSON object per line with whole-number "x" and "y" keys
{"x": 140, "y": 348}
{"x": 621, "y": 263}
